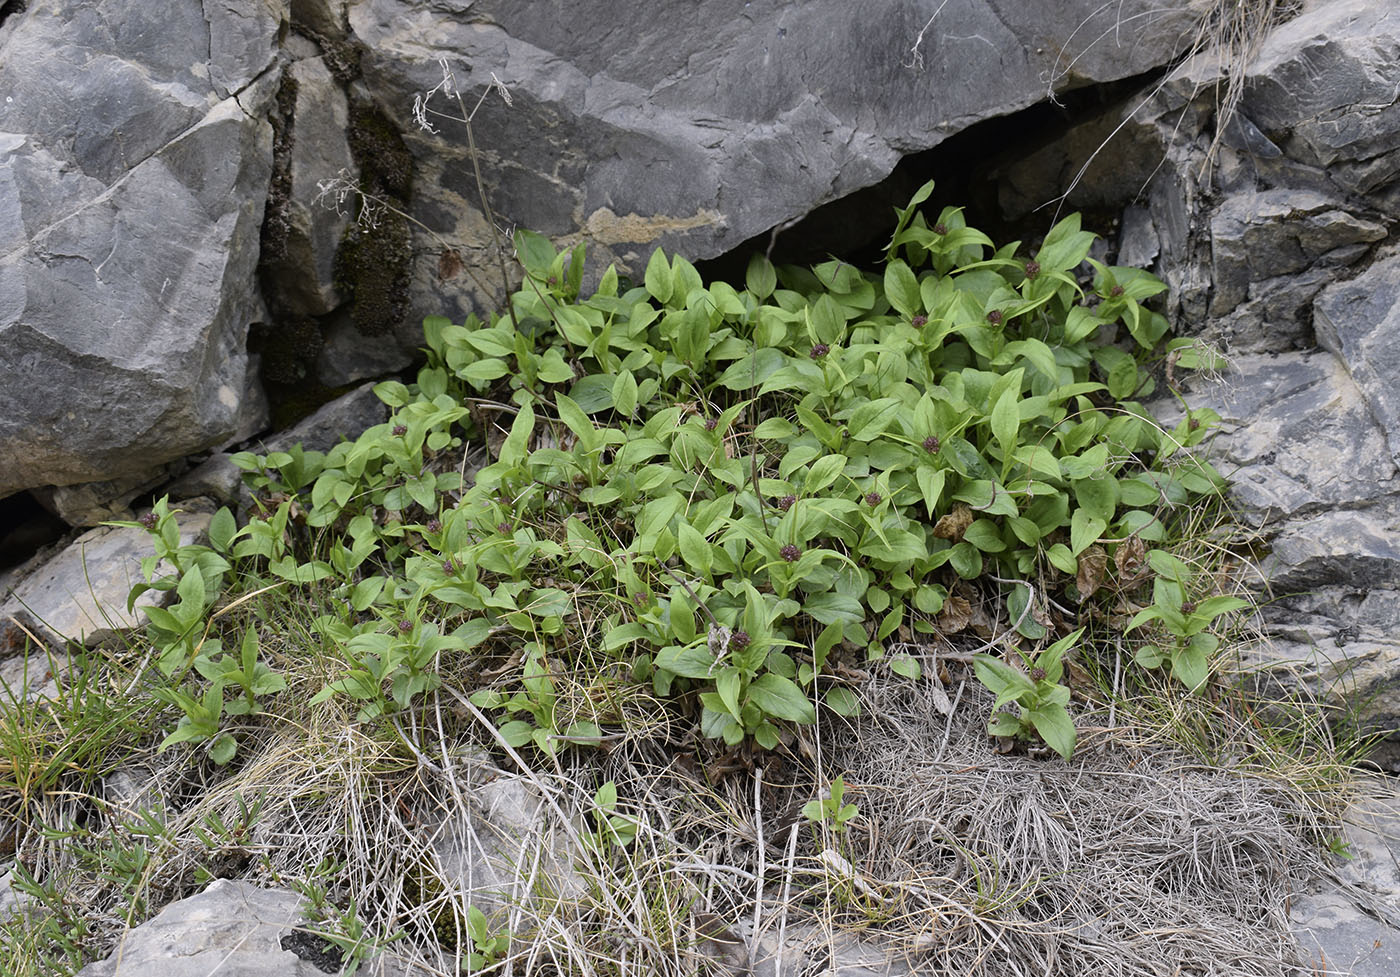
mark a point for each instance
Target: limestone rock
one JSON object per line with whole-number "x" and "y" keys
{"x": 304, "y": 229}
{"x": 707, "y": 123}
{"x": 233, "y": 929}
{"x": 136, "y": 157}
{"x": 80, "y": 594}
{"x": 344, "y": 418}
{"x": 489, "y": 851}
{"x": 1296, "y": 436}
{"x": 1359, "y": 321}
{"x": 1260, "y": 236}
{"x": 1353, "y": 927}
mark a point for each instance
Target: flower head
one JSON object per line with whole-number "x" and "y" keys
{"x": 790, "y": 552}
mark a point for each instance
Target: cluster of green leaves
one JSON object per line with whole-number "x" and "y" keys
{"x": 1186, "y": 611}
{"x": 180, "y": 635}
{"x": 831, "y": 809}
{"x": 1035, "y": 691}
{"x": 715, "y": 491}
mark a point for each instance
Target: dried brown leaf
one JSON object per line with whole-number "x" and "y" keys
{"x": 956, "y": 614}
{"x": 1092, "y": 564}
{"x": 1130, "y": 559}
{"x": 954, "y": 524}
{"x": 449, "y": 265}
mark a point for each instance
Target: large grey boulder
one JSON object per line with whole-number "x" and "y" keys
{"x": 233, "y": 929}
{"x": 1352, "y": 925}
{"x": 135, "y": 155}
{"x": 705, "y": 123}
{"x": 80, "y": 594}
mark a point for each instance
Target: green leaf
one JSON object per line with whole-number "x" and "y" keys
{"x": 624, "y": 393}
{"x": 221, "y": 751}
{"x": 842, "y": 701}
{"x": 1084, "y": 530}
{"x": 727, "y": 685}
{"x": 872, "y": 418}
{"x": 191, "y": 592}
{"x": 761, "y": 278}
{"x": 1055, "y": 727}
{"x": 659, "y": 279}
{"x": 1097, "y": 497}
{"x": 222, "y": 529}
{"x": 1006, "y": 422}
{"x": 695, "y": 549}
{"x": 1003, "y": 680}
{"x": 1191, "y": 665}
{"x": 829, "y": 607}
{"x": 822, "y": 473}
{"x": 780, "y": 697}
{"x": 392, "y": 393}
{"x": 902, "y": 289}
{"x": 692, "y": 662}
{"x": 931, "y": 482}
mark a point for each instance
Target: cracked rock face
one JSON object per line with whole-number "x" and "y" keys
{"x": 131, "y": 188}
{"x": 706, "y": 123}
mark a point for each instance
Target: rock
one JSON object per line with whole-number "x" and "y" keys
{"x": 344, "y": 418}
{"x": 303, "y": 230}
{"x": 216, "y": 478}
{"x": 709, "y": 122}
{"x": 1359, "y": 321}
{"x": 1260, "y": 236}
{"x": 822, "y": 952}
{"x": 349, "y": 356}
{"x": 92, "y": 503}
{"x": 1324, "y": 83}
{"x": 128, "y": 232}
{"x": 130, "y": 790}
{"x": 1353, "y": 927}
{"x": 1296, "y": 436}
{"x": 490, "y": 853}
{"x": 233, "y": 929}
{"x": 80, "y": 594}
{"x": 12, "y": 900}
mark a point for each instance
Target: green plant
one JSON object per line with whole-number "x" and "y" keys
{"x": 488, "y": 948}
{"x": 830, "y": 809}
{"x": 1036, "y": 693}
{"x": 717, "y": 493}
{"x": 1185, "y": 616}
{"x": 612, "y": 830}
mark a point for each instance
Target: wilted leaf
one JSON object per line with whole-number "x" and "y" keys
{"x": 956, "y": 614}
{"x": 954, "y": 524}
{"x": 1092, "y": 564}
{"x": 1130, "y": 559}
